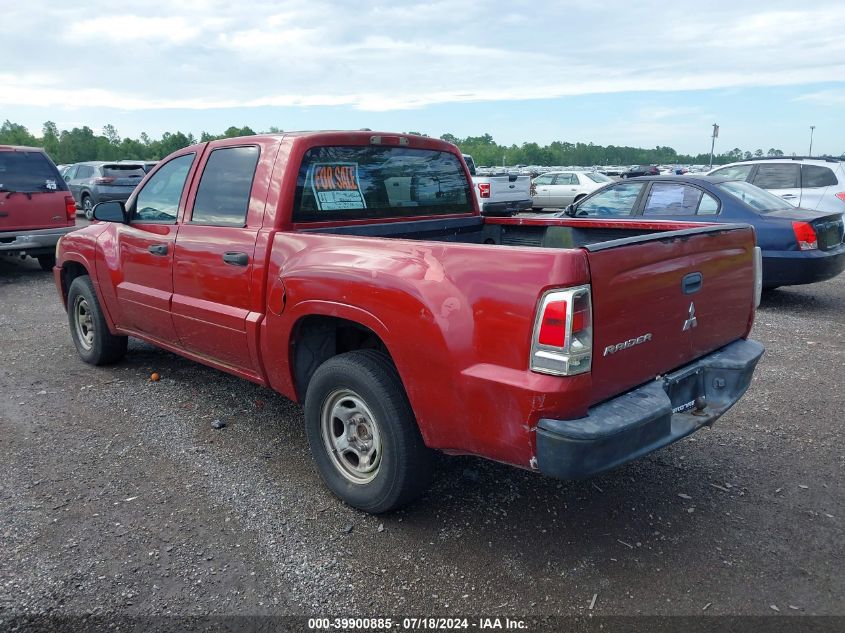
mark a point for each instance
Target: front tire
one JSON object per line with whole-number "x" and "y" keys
{"x": 46, "y": 261}
{"x": 88, "y": 328}
{"x": 363, "y": 434}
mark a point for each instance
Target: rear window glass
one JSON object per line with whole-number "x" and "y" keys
{"x": 353, "y": 182}
{"x": 123, "y": 171}
{"x": 777, "y": 176}
{"x": 817, "y": 176}
{"x": 597, "y": 177}
{"x": 672, "y": 199}
{"x": 758, "y": 199}
{"x": 225, "y": 186}
{"x": 28, "y": 171}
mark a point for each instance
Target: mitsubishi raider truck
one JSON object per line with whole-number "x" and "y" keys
{"x": 354, "y": 273}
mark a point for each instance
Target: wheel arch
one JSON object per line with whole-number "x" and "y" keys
{"x": 316, "y": 337}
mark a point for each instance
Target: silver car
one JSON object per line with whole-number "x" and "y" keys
{"x": 558, "y": 189}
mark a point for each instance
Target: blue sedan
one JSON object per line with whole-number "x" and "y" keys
{"x": 799, "y": 246}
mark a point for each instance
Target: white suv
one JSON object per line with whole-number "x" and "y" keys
{"x": 810, "y": 183}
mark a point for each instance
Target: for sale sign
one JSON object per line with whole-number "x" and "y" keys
{"x": 336, "y": 186}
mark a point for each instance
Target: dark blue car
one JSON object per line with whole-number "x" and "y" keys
{"x": 799, "y": 246}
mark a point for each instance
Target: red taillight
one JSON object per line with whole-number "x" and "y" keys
{"x": 70, "y": 208}
{"x": 841, "y": 195}
{"x": 805, "y": 235}
{"x": 484, "y": 189}
{"x": 563, "y": 333}
{"x": 553, "y": 324}
{"x": 104, "y": 180}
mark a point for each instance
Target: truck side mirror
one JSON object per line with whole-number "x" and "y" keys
{"x": 570, "y": 210}
{"x": 112, "y": 211}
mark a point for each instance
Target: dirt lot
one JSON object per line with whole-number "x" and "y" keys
{"x": 118, "y": 496}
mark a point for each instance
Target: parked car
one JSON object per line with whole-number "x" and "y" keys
{"x": 810, "y": 183}
{"x": 560, "y": 188}
{"x": 296, "y": 261}
{"x": 500, "y": 194}
{"x": 36, "y": 208}
{"x": 97, "y": 181}
{"x": 640, "y": 170}
{"x": 800, "y": 246}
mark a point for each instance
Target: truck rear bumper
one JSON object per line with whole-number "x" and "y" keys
{"x": 506, "y": 208}
{"x": 648, "y": 417}
{"x": 34, "y": 242}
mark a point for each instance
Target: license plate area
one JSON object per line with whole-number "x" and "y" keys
{"x": 683, "y": 389}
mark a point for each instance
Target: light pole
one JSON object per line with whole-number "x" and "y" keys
{"x": 713, "y": 143}
{"x": 812, "y": 127}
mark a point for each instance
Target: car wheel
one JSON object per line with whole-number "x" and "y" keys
{"x": 46, "y": 261}
{"x": 88, "y": 207}
{"x": 363, "y": 434}
{"x": 88, "y": 328}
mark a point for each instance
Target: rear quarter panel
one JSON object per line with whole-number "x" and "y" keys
{"x": 456, "y": 318}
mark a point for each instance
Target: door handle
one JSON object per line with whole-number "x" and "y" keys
{"x": 158, "y": 249}
{"x": 787, "y": 196}
{"x": 235, "y": 258}
{"x": 692, "y": 283}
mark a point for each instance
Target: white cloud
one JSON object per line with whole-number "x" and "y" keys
{"x": 824, "y": 97}
{"x": 205, "y": 54}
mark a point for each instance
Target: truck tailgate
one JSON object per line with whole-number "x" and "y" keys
{"x": 509, "y": 188}
{"x": 661, "y": 302}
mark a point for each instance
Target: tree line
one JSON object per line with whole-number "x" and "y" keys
{"x": 81, "y": 143}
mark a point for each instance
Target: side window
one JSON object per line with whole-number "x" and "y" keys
{"x": 225, "y": 186}
{"x": 614, "y": 201}
{"x": 70, "y": 174}
{"x": 736, "y": 172}
{"x": 85, "y": 171}
{"x": 708, "y": 205}
{"x": 158, "y": 201}
{"x": 563, "y": 179}
{"x": 667, "y": 198}
{"x": 777, "y": 176}
{"x": 574, "y": 180}
{"x": 545, "y": 179}
{"x": 816, "y": 176}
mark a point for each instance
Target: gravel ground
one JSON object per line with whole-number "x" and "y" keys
{"x": 118, "y": 497}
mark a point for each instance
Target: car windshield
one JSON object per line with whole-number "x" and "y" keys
{"x": 28, "y": 172}
{"x": 597, "y": 177}
{"x": 758, "y": 199}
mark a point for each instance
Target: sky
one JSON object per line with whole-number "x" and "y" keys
{"x": 625, "y": 73}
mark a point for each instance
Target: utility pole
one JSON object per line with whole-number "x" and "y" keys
{"x": 812, "y": 127}
{"x": 713, "y": 143}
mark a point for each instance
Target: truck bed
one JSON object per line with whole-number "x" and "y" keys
{"x": 536, "y": 232}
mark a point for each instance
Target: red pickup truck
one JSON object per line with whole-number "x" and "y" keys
{"x": 353, "y": 272}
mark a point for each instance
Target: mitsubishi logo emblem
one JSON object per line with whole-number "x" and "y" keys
{"x": 692, "y": 321}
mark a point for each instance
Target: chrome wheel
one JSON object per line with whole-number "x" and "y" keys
{"x": 88, "y": 208}
{"x": 351, "y": 436}
{"x": 84, "y": 323}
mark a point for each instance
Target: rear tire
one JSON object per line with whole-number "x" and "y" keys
{"x": 46, "y": 261}
{"x": 87, "y": 207}
{"x": 363, "y": 434}
{"x": 88, "y": 328}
